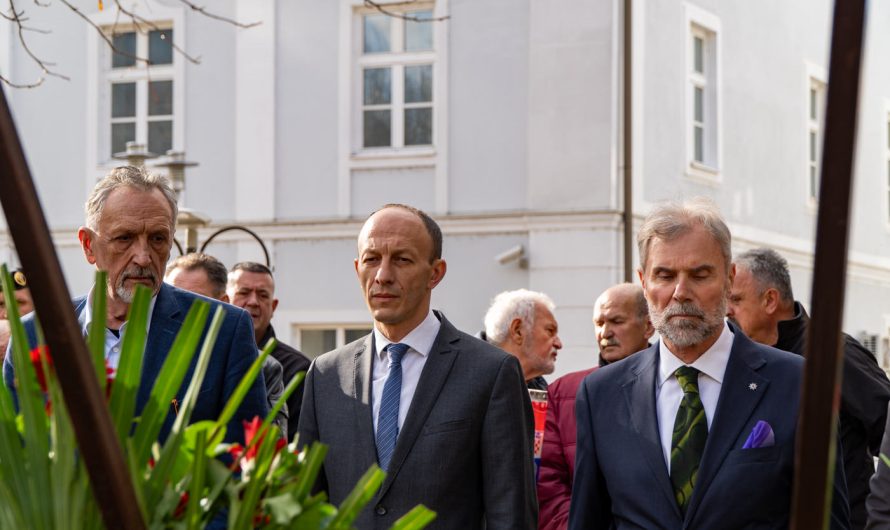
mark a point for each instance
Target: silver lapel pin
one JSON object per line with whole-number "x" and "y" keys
{"x": 752, "y": 386}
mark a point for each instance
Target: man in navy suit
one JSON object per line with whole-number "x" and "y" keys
{"x": 698, "y": 430}
{"x": 131, "y": 219}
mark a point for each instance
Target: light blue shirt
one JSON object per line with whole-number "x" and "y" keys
{"x": 112, "y": 343}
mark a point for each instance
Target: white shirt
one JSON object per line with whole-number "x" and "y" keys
{"x": 112, "y": 343}
{"x": 420, "y": 341}
{"x": 711, "y": 364}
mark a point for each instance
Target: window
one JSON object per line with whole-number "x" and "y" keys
{"x": 887, "y": 165}
{"x": 140, "y": 94}
{"x": 815, "y": 119}
{"x": 703, "y": 94}
{"x": 395, "y": 69}
{"x": 317, "y": 339}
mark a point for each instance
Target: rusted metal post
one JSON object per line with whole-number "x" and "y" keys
{"x": 816, "y": 429}
{"x": 98, "y": 443}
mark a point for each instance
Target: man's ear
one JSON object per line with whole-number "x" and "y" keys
{"x": 770, "y": 301}
{"x": 85, "y": 236}
{"x": 224, "y": 298}
{"x": 516, "y": 331}
{"x": 439, "y": 268}
{"x": 650, "y": 329}
{"x": 274, "y": 304}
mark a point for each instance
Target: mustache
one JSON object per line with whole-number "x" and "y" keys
{"x": 605, "y": 343}
{"x": 683, "y": 308}
{"x": 138, "y": 272}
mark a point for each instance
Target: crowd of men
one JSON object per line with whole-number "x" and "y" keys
{"x": 692, "y": 429}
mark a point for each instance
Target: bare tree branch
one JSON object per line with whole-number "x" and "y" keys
{"x": 139, "y": 20}
{"x": 45, "y": 66}
{"x": 403, "y": 16}
{"x": 207, "y": 14}
{"x": 103, "y": 34}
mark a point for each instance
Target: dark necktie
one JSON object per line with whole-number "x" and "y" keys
{"x": 689, "y": 437}
{"x": 388, "y": 417}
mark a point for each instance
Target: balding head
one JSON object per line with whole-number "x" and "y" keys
{"x": 621, "y": 322}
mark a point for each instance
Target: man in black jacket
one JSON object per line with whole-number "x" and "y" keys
{"x": 763, "y": 304}
{"x": 252, "y": 287}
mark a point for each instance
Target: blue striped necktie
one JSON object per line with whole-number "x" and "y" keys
{"x": 388, "y": 417}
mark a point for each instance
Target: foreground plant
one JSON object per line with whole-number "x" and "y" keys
{"x": 191, "y": 481}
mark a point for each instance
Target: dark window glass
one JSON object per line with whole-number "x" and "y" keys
{"x": 123, "y": 100}
{"x": 160, "y": 136}
{"x": 160, "y": 98}
{"x": 419, "y": 126}
{"x": 376, "y": 38}
{"x": 126, "y": 44}
{"x": 121, "y": 133}
{"x": 355, "y": 334}
{"x": 160, "y": 48}
{"x": 378, "y": 83}
{"x": 418, "y": 35}
{"x": 418, "y": 83}
{"x": 377, "y": 128}
{"x": 314, "y": 342}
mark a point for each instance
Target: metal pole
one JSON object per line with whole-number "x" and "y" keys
{"x": 816, "y": 429}
{"x": 627, "y": 139}
{"x": 98, "y": 444}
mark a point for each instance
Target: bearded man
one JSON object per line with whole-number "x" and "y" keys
{"x": 698, "y": 430}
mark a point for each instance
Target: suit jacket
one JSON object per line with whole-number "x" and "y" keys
{"x": 878, "y": 503}
{"x": 621, "y": 478}
{"x": 233, "y": 353}
{"x": 464, "y": 451}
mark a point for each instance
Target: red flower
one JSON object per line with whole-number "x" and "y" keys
{"x": 183, "y": 504}
{"x": 36, "y": 354}
{"x": 251, "y": 431}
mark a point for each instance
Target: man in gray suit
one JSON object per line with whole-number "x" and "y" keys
{"x": 445, "y": 414}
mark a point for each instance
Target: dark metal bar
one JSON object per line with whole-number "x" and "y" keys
{"x": 92, "y": 423}
{"x": 816, "y": 429}
{"x": 243, "y": 229}
{"x": 627, "y": 139}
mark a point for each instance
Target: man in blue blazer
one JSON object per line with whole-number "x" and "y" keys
{"x": 131, "y": 219}
{"x": 698, "y": 430}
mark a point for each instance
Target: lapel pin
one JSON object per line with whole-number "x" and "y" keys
{"x": 752, "y": 386}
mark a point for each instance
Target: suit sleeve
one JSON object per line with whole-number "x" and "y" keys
{"x": 307, "y": 431}
{"x": 878, "y": 502}
{"x": 242, "y": 353}
{"x": 590, "y": 507}
{"x": 554, "y": 481}
{"x": 508, "y": 475}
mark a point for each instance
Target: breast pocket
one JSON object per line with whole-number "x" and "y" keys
{"x": 754, "y": 456}
{"x": 448, "y": 426}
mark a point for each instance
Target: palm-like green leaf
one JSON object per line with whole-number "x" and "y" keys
{"x": 126, "y": 382}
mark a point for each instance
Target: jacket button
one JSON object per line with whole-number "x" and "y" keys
{"x": 381, "y": 509}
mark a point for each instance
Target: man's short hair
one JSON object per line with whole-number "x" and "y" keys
{"x": 128, "y": 176}
{"x": 769, "y": 270}
{"x": 670, "y": 220}
{"x": 510, "y": 305}
{"x": 432, "y": 228}
{"x": 252, "y": 266}
{"x": 216, "y": 271}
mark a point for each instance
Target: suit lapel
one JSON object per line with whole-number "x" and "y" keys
{"x": 432, "y": 379}
{"x": 639, "y": 392}
{"x": 165, "y": 322}
{"x": 741, "y": 391}
{"x": 361, "y": 391}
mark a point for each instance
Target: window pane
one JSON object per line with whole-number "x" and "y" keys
{"x": 377, "y": 86}
{"x": 355, "y": 334}
{"x": 123, "y": 100}
{"x": 699, "y": 155}
{"x": 813, "y": 98}
{"x": 160, "y": 98}
{"x": 377, "y": 33}
{"x": 419, "y": 35}
{"x": 698, "y": 51}
{"x": 160, "y": 46}
{"x": 699, "y": 104}
{"x": 125, "y": 43}
{"x": 813, "y": 145}
{"x": 418, "y": 126}
{"x": 418, "y": 83}
{"x": 121, "y": 133}
{"x": 160, "y": 136}
{"x": 814, "y": 184}
{"x": 314, "y": 342}
{"x": 377, "y": 128}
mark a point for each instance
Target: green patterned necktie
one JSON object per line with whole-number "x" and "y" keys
{"x": 689, "y": 437}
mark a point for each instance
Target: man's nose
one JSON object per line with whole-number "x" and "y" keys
{"x": 384, "y": 272}
{"x": 681, "y": 290}
{"x": 142, "y": 252}
{"x": 729, "y": 312}
{"x": 557, "y": 343}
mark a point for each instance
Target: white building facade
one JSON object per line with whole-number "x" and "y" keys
{"x": 502, "y": 119}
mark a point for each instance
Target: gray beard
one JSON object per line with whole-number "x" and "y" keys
{"x": 685, "y": 333}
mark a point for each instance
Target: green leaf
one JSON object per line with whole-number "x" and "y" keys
{"x": 360, "y": 495}
{"x": 283, "y": 508}
{"x": 416, "y": 519}
{"x": 243, "y": 387}
{"x": 319, "y": 516}
{"x": 193, "y": 515}
{"x": 885, "y": 459}
{"x": 313, "y": 458}
{"x": 129, "y": 370}
{"x": 96, "y": 333}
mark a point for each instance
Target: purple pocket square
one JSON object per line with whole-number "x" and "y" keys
{"x": 761, "y": 436}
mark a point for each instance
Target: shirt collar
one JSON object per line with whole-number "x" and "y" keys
{"x": 420, "y": 339}
{"x": 711, "y": 363}
{"x": 86, "y": 316}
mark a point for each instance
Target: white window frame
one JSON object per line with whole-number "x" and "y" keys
{"x": 815, "y": 81}
{"x": 100, "y": 75}
{"x": 352, "y": 155}
{"x": 885, "y": 171}
{"x": 338, "y": 328}
{"x": 706, "y": 26}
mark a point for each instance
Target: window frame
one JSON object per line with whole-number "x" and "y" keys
{"x": 886, "y": 159}
{"x": 812, "y": 168}
{"x": 339, "y": 329}
{"x": 700, "y": 24}
{"x": 100, "y": 74}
